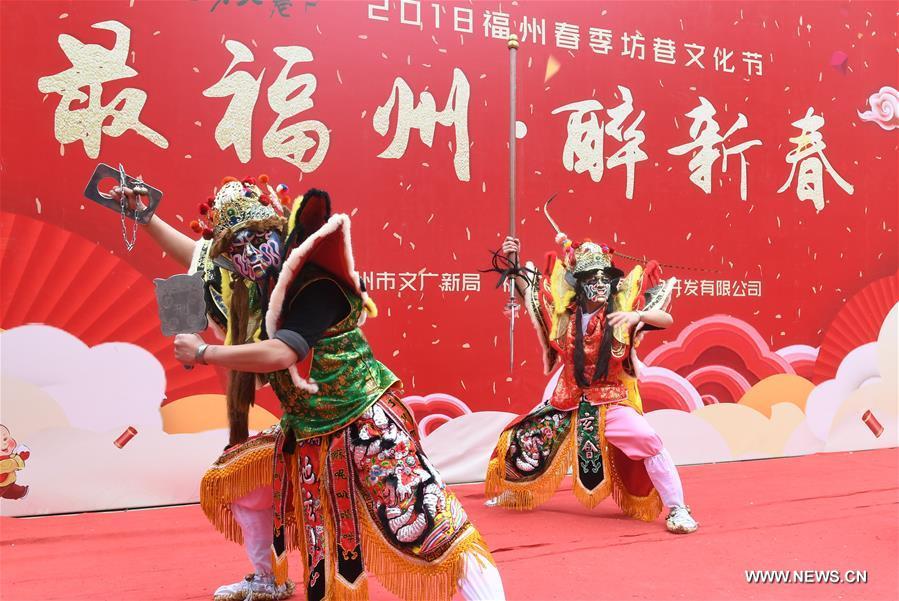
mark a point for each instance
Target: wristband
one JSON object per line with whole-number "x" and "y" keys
{"x": 200, "y": 355}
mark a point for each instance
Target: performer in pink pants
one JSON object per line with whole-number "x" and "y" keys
{"x": 589, "y": 317}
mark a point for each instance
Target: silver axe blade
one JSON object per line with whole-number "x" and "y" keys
{"x": 182, "y": 304}
{"x": 104, "y": 171}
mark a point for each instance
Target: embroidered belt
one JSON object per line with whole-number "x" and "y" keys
{"x": 604, "y": 395}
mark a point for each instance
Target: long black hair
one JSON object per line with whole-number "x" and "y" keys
{"x": 605, "y": 346}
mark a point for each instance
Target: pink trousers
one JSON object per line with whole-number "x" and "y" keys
{"x": 632, "y": 434}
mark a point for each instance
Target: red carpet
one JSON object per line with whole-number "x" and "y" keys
{"x": 823, "y": 512}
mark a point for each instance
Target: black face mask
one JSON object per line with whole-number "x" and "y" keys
{"x": 597, "y": 288}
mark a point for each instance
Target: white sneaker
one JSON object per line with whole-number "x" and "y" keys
{"x": 499, "y": 499}
{"x": 255, "y": 587}
{"x": 680, "y": 521}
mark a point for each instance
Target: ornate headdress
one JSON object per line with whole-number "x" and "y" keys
{"x": 240, "y": 205}
{"x": 580, "y": 257}
{"x": 589, "y": 256}
{"x": 583, "y": 257}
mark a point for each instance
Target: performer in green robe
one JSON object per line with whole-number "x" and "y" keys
{"x": 342, "y": 478}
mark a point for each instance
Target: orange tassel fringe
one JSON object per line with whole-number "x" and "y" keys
{"x": 235, "y": 477}
{"x": 524, "y": 496}
{"x": 414, "y": 579}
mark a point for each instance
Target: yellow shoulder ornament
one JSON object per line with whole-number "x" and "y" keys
{"x": 562, "y": 294}
{"x": 625, "y": 298}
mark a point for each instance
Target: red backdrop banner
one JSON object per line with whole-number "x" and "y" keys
{"x": 749, "y": 146}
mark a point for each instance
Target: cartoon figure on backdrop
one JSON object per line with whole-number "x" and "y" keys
{"x": 342, "y": 478}
{"x": 12, "y": 459}
{"x": 589, "y": 317}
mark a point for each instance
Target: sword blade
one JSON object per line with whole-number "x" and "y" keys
{"x": 512, "y": 340}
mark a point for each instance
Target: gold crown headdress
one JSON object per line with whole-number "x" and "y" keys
{"x": 239, "y": 205}
{"x": 589, "y": 256}
{"x": 583, "y": 256}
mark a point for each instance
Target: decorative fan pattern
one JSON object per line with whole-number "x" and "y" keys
{"x": 56, "y": 277}
{"x": 858, "y": 322}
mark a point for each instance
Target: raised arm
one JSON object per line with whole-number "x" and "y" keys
{"x": 511, "y": 249}
{"x": 177, "y": 245}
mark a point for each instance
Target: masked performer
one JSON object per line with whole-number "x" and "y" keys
{"x": 343, "y": 478}
{"x": 589, "y": 317}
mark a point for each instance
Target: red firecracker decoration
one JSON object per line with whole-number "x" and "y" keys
{"x": 875, "y": 426}
{"x": 126, "y": 437}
